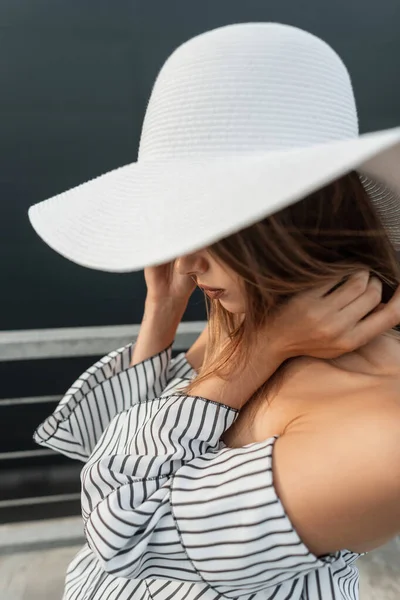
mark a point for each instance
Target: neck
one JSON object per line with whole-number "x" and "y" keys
{"x": 381, "y": 356}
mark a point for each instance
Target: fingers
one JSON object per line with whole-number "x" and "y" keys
{"x": 380, "y": 321}
{"x": 355, "y": 286}
{"x": 340, "y": 292}
{"x": 359, "y": 308}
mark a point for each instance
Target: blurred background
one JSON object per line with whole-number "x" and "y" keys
{"x": 75, "y": 78}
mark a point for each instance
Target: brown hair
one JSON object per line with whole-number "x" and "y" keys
{"x": 330, "y": 234}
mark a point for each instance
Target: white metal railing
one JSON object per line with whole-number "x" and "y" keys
{"x": 62, "y": 343}
{"x": 30, "y": 400}
{"x": 81, "y": 341}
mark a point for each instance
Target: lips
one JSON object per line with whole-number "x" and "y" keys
{"x": 212, "y": 293}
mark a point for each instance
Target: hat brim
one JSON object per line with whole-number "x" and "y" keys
{"x": 147, "y": 213}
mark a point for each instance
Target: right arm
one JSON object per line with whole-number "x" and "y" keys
{"x": 158, "y": 329}
{"x": 195, "y": 354}
{"x": 135, "y": 373}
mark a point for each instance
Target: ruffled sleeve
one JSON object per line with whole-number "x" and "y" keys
{"x": 163, "y": 498}
{"x": 104, "y": 390}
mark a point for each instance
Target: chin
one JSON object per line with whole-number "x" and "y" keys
{"x": 233, "y": 307}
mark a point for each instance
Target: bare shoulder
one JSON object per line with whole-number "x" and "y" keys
{"x": 337, "y": 461}
{"x": 340, "y": 482}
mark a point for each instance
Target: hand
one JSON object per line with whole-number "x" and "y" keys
{"x": 165, "y": 283}
{"x": 326, "y": 325}
{"x": 319, "y": 323}
{"x": 168, "y": 293}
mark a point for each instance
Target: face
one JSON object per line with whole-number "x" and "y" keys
{"x": 208, "y": 272}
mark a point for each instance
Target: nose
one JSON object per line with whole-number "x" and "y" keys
{"x": 191, "y": 264}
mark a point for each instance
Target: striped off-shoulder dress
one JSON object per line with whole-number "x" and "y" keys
{"x": 170, "y": 512}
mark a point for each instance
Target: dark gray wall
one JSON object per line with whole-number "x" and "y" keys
{"x": 75, "y": 76}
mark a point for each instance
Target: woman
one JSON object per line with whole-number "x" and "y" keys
{"x": 266, "y": 474}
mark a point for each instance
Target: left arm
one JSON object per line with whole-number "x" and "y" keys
{"x": 340, "y": 484}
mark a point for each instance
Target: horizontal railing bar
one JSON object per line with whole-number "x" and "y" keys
{"x": 30, "y": 400}
{"x": 82, "y": 341}
{"x": 25, "y": 454}
{"x": 37, "y": 535}
{"x": 38, "y": 500}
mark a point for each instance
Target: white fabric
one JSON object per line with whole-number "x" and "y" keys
{"x": 242, "y": 121}
{"x": 169, "y": 510}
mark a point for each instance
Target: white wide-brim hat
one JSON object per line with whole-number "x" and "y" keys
{"x": 243, "y": 121}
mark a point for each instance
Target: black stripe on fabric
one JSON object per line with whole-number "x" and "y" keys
{"x": 76, "y": 422}
{"x": 350, "y": 582}
{"x": 241, "y": 477}
{"x": 155, "y": 437}
{"x": 201, "y": 593}
{"x": 227, "y": 511}
{"x": 268, "y": 548}
{"x": 89, "y": 436}
{"x": 174, "y": 592}
{"x": 158, "y": 437}
{"x": 155, "y": 593}
{"x": 95, "y": 375}
{"x": 53, "y": 425}
{"x": 92, "y": 422}
{"x": 104, "y": 402}
{"x": 92, "y": 543}
{"x": 132, "y": 593}
{"x": 220, "y": 497}
{"x": 189, "y": 591}
{"x": 205, "y": 401}
{"x": 118, "y": 408}
{"x": 92, "y": 569}
{"x": 258, "y": 563}
{"x": 164, "y": 544}
{"x": 176, "y": 423}
{"x": 124, "y": 404}
{"x": 145, "y": 379}
{"x": 139, "y": 573}
{"x": 128, "y": 434}
{"x": 108, "y": 442}
{"x": 214, "y": 425}
{"x": 72, "y": 578}
{"x": 235, "y": 526}
{"x": 111, "y": 583}
{"x": 154, "y": 391}
{"x": 128, "y": 379}
{"x": 102, "y": 493}
{"x": 210, "y": 457}
{"x": 94, "y": 484}
{"x": 66, "y": 441}
{"x": 356, "y": 583}
{"x": 121, "y": 520}
{"x": 183, "y": 371}
{"x": 331, "y": 584}
{"x": 290, "y": 594}
{"x": 275, "y": 593}
{"x": 94, "y": 591}
{"x": 200, "y": 428}
{"x": 184, "y": 431}
{"x": 307, "y": 565}
{"x": 107, "y": 527}
{"x": 147, "y": 409}
{"x": 135, "y": 372}
{"x": 318, "y": 584}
